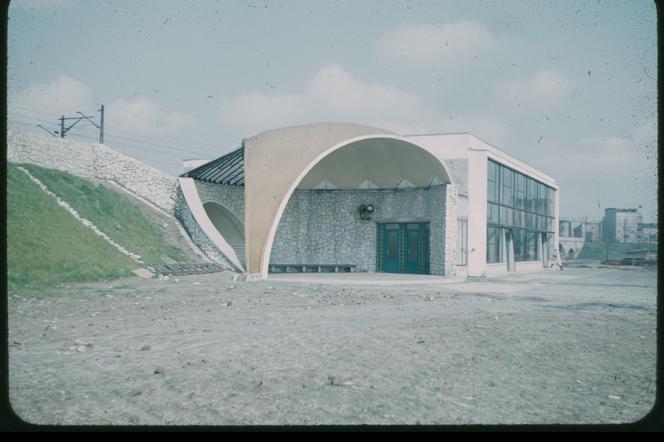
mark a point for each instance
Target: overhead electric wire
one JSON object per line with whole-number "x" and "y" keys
{"x": 120, "y": 140}
{"x": 134, "y": 142}
{"x": 198, "y": 145}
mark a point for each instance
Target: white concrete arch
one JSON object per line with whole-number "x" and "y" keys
{"x": 226, "y": 222}
{"x": 193, "y": 201}
{"x": 266, "y": 250}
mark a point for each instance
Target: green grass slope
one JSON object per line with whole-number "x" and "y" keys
{"x": 112, "y": 212}
{"x": 598, "y": 250}
{"x": 46, "y": 246}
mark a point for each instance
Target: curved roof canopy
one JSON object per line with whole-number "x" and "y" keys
{"x": 324, "y": 155}
{"x": 377, "y": 163}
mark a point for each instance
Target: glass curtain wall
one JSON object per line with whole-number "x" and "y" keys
{"x": 523, "y": 205}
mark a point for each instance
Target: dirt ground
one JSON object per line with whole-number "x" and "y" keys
{"x": 569, "y": 347}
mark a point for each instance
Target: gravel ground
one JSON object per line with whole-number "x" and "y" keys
{"x": 569, "y": 347}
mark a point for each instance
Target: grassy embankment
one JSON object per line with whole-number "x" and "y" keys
{"x": 47, "y": 247}
{"x": 598, "y": 250}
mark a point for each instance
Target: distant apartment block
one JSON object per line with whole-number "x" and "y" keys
{"x": 621, "y": 225}
{"x": 588, "y": 230}
{"x": 648, "y": 232}
{"x": 565, "y": 228}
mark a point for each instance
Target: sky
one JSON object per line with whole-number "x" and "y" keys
{"x": 566, "y": 86}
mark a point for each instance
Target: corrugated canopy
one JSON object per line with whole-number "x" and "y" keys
{"x": 228, "y": 170}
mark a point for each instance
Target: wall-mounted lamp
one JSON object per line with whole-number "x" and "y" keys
{"x": 366, "y": 210}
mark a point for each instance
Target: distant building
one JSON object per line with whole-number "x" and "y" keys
{"x": 565, "y": 228}
{"x": 621, "y": 225}
{"x": 589, "y": 230}
{"x": 648, "y": 232}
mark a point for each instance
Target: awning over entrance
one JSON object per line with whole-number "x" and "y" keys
{"x": 227, "y": 170}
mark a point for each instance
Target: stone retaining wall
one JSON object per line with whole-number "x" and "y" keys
{"x": 92, "y": 160}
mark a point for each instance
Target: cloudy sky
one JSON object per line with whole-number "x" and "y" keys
{"x": 567, "y": 86}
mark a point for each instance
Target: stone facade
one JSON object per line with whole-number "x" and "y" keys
{"x": 154, "y": 185}
{"x": 50, "y": 152}
{"x": 92, "y": 160}
{"x": 458, "y": 170}
{"x": 231, "y": 197}
{"x": 450, "y": 229}
{"x": 324, "y": 227}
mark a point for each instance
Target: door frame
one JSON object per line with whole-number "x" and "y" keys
{"x": 424, "y": 235}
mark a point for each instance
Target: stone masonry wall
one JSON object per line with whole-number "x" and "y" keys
{"x": 458, "y": 170}
{"x": 54, "y": 153}
{"x": 92, "y": 160}
{"x": 323, "y": 226}
{"x": 152, "y": 184}
{"x": 231, "y": 197}
{"x": 450, "y": 241}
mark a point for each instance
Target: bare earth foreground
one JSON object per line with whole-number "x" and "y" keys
{"x": 576, "y": 346}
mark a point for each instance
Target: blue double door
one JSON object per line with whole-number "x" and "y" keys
{"x": 403, "y": 248}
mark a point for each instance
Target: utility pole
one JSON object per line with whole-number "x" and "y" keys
{"x": 101, "y": 125}
{"x": 64, "y": 130}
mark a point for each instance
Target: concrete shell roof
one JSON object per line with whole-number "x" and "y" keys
{"x": 277, "y": 161}
{"x": 382, "y": 163}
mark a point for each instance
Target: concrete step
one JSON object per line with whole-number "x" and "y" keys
{"x": 185, "y": 268}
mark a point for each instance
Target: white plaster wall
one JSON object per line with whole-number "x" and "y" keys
{"x": 498, "y": 269}
{"x": 477, "y": 212}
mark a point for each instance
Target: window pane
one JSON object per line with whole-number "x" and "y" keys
{"x": 531, "y": 246}
{"x": 491, "y": 191}
{"x": 518, "y": 241}
{"x": 392, "y": 240}
{"x": 492, "y": 171}
{"x": 493, "y": 214}
{"x": 520, "y": 219}
{"x": 532, "y": 195}
{"x": 499, "y": 245}
{"x": 506, "y": 183}
{"x": 413, "y": 247}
